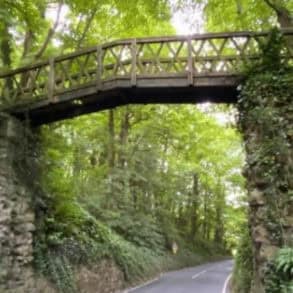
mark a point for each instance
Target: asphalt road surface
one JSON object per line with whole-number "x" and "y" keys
{"x": 207, "y": 278}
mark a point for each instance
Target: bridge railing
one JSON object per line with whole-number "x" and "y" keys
{"x": 220, "y": 54}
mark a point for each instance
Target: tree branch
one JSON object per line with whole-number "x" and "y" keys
{"x": 27, "y": 42}
{"x": 79, "y": 22}
{"x": 87, "y": 26}
{"x": 51, "y": 32}
{"x": 272, "y": 5}
{"x": 283, "y": 14}
{"x": 239, "y": 7}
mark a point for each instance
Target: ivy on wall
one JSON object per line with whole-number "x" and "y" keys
{"x": 265, "y": 119}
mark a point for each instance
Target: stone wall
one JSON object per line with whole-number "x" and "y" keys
{"x": 17, "y": 221}
{"x": 16, "y": 210}
{"x": 266, "y": 121}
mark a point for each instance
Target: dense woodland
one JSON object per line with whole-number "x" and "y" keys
{"x": 127, "y": 183}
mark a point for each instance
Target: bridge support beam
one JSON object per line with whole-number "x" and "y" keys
{"x": 16, "y": 209}
{"x": 266, "y": 122}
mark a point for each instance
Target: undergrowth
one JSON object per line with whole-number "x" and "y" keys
{"x": 279, "y": 272}
{"x": 243, "y": 269}
{"x": 135, "y": 243}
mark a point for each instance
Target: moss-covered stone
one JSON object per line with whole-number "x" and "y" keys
{"x": 16, "y": 212}
{"x": 266, "y": 119}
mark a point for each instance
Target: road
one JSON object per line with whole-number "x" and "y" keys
{"x": 207, "y": 278}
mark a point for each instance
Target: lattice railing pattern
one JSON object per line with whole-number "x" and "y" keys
{"x": 221, "y": 54}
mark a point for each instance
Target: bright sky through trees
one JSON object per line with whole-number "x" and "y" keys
{"x": 188, "y": 21}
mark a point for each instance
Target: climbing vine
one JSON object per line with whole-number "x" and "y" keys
{"x": 265, "y": 107}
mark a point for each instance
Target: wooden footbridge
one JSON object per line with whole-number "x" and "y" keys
{"x": 178, "y": 69}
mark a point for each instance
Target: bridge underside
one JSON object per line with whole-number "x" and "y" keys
{"x": 120, "y": 92}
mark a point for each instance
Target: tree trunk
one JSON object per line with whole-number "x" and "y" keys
{"x": 124, "y": 130}
{"x": 194, "y": 207}
{"x": 111, "y": 139}
{"x": 5, "y": 50}
{"x": 219, "y": 229}
{"x": 124, "y": 179}
{"x": 205, "y": 217}
{"x": 5, "y": 46}
{"x": 219, "y": 225}
{"x": 283, "y": 14}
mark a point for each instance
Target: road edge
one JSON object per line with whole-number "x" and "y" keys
{"x": 141, "y": 286}
{"x": 226, "y": 284}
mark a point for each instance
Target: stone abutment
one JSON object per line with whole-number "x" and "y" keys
{"x": 16, "y": 208}
{"x": 266, "y": 119}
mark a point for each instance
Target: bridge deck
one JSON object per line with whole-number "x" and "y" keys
{"x": 179, "y": 69}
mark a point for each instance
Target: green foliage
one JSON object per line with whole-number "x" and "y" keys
{"x": 132, "y": 212}
{"x": 243, "y": 269}
{"x": 264, "y": 103}
{"x": 137, "y": 228}
{"x": 279, "y": 272}
{"x": 243, "y": 15}
{"x": 271, "y": 55}
{"x": 58, "y": 269}
{"x": 38, "y": 31}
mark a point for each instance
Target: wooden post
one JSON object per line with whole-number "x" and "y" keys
{"x": 99, "y": 67}
{"x": 189, "y": 62}
{"x": 51, "y": 81}
{"x": 133, "y": 62}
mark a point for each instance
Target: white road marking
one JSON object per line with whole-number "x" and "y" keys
{"x": 141, "y": 286}
{"x": 226, "y": 284}
{"x": 199, "y": 274}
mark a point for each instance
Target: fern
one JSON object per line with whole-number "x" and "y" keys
{"x": 279, "y": 272}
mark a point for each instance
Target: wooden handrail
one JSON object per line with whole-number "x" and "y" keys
{"x": 288, "y": 31}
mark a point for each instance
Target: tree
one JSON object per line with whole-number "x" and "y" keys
{"x": 247, "y": 14}
{"x": 40, "y": 28}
